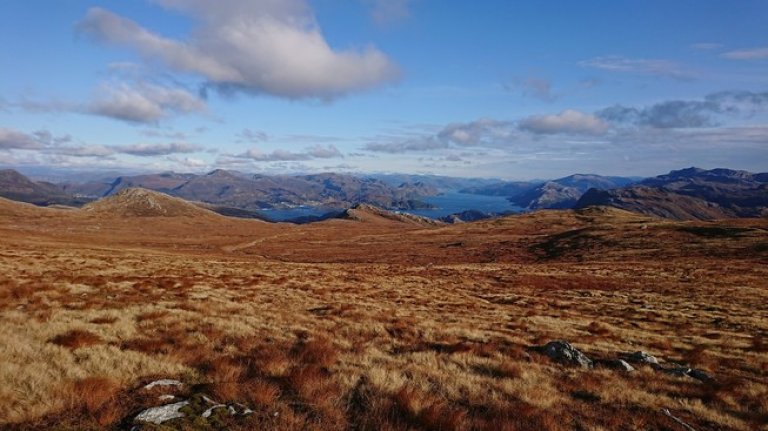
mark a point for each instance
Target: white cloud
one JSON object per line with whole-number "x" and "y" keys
{"x": 142, "y": 102}
{"x": 568, "y": 121}
{"x": 706, "y": 46}
{"x": 132, "y": 100}
{"x": 484, "y": 132}
{"x": 256, "y": 46}
{"x": 324, "y": 152}
{"x": 759, "y": 53}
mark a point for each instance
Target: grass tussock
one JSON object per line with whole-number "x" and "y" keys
{"x": 76, "y": 338}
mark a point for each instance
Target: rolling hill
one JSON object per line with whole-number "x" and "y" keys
{"x": 18, "y": 187}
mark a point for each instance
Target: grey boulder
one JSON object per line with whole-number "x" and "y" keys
{"x": 565, "y": 353}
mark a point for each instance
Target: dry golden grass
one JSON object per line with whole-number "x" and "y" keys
{"x": 379, "y": 325}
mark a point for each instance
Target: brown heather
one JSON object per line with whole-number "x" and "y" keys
{"x": 76, "y": 338}
{"x": 382, "y": 324}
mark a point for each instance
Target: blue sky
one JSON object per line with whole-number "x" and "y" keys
{"x": 506, "y": 89}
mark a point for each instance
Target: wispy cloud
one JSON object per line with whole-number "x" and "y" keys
{"x": 189, "y": 162}
{"x": 386, "y": 12}
{"x": 98, "y": 151}
{"x": 167, "y": 134}
{"x": 150, "y": 150}
{"x": 641, "y": 66}
{"x": 257, "y": 47}
{"x": 252, "y": 136}
{"x": 567, "y": 122}
{"x": 533, "y": 86}
{"x": 44, "y": 142}
{"x": 706, "y": 46}
{"x": 281, "y": 155}
{"x": 759, "y": 53}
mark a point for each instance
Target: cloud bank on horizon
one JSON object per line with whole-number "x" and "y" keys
{"x": 385, "y": 86}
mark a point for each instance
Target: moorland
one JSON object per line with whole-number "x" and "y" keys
{"x": 378, "y": 320}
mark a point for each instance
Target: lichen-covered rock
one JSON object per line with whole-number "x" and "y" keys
{"x": 564, "y": 352}
{"x": 197, "y": 410}
{"x": 158, "y": 415}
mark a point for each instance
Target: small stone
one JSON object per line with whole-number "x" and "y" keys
{"x": 209, "y": 412}
{"x": 166, "y": 397}
{"x": 158, "y": 415}
{"x": 163, "y": 382}
{"x": 209, "y": 401}
{"x": 641, "y": 357}
{"x": 621, "y": 364}
{"x": 244, "y": 410}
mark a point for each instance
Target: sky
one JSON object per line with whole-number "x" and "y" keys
{"x": 493, "y": 88}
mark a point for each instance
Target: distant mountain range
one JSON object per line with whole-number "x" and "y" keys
{"x": 688, "y": 194}
{"x": 237, "y": 191}
{"x": 685, "y": 194}
{"x": 556, "y": 194}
